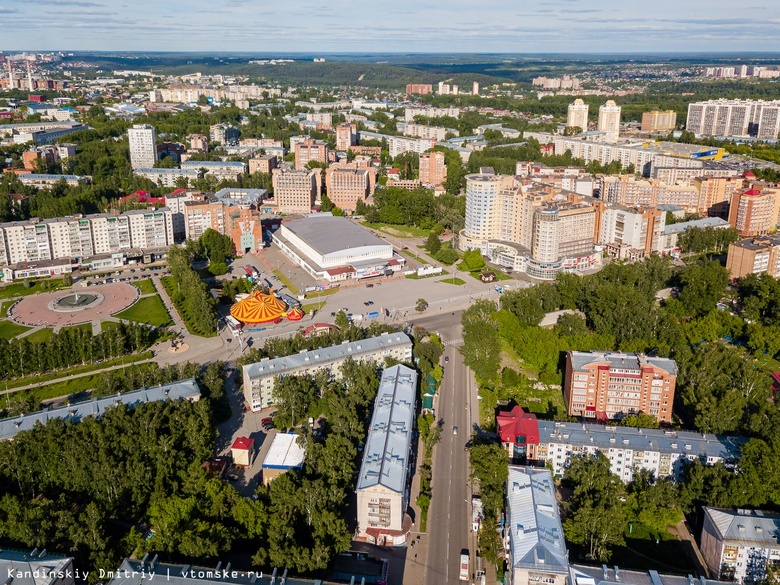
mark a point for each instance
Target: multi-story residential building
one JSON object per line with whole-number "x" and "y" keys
{"x": 671, "y": 232}
{"x": 433, "y": 171}
{"x": 422, "y": 131}
{"x": 295, "y": 191}
{"x": 44, "y": 180}
{"x": 263, "y": 164}
{"x": 577, "y": 116}
{"x": 399, "y": 145}
{"x": 260, "y": 378}
{"x": 202, "y": 214}
{"x": 384, "y": 479}
{"x": 630, "y": 191}
{"x": 610, "y": 385}
{"x": 609, "y": 120}
{"x": 199, "y": 142}
{"x": 659, "y": 121}
{"x": 715, "y": 194}
{"x": 346, "y": 136}
{"x": 81, "y": 237}
{"x": 754, "y": 256}
{"x": 36, "y": 568}
{"x": 430, "y": 112}
{"x": 740, "y": 545}
{"x": 735, "y": 118}
{"x": 753, "y": 212}
{"x": 309, "y": 150}
{"x": 175, "y": 202}
{"x": 533, "y": 534}
{"x": 143, "y": 146}
{"x": 169, "y": 177}
{"x": 630, "y": 230}
{"x": 224, "y": 134}
{"x": 230, "y": 170}
{"x": 419, "y": 88}
{"x": 324, "y": 120}
{"x": 345, "y": 186}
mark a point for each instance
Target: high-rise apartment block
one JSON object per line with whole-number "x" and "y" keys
{"x": 630, "y": 232}
{"x": 419, "y": 88}
{"x": 433, "y": 171}
{"x": 753, "y": 212}
{"x": 735, "y": 118}
{"x": 295, "y": 191}
{"x": 143, "y": 147}
{"x": 399, "y": 145}
{"x": 577, "y": 116}
{"x": 658, "y": 121}
{"x": 754, "y": 256}
{"x": 309, "y": 150}
{"x": 610, "y": 385}
{"x": 609, "y": 120}
{"x": 346, "y": 136}
{"x": 715, "y": 194}
{"x": 346, "y": 185}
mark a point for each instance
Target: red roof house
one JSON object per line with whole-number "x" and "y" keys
{"x": 243, "y": 451}
{"x": 518, "y": 432}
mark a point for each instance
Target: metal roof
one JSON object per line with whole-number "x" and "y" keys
{"x": 675, "y": 442}
{"x": 604, "y": 575}
{"x": 386, "y": 455}
{"x": 707, "y": 222}
{"x": 26, "y": 568}
{"x": 621, "y": 361}
{"x": 327, "y": 234}
{"x": 284, "y": 452}
{"x": 187, "y": 389}
{"x": 536, "y": 534}
{"x": 746, "y": 527}
{"x": 331, "y": 353}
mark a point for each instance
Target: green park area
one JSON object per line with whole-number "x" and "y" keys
{"x": 146, "y": 286}
{"x": 149, "y": 310}
{"x": 40, "y": 335}
{"x": 20, "y": 289}
{"x": 9, "y": 329}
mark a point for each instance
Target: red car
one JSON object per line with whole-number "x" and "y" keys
{"x": 267, "y": 420}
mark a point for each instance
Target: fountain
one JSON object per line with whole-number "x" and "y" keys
{"x": 76, "y": 302}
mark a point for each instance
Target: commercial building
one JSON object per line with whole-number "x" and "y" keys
{"x": 260, "y": 378}
{"x": 36, "y": 568}
{"x": 753, "y": 211}
{"x": 577, "y": 116}
{"x": 533, "y": 534}
{"x": 309, "y": 150}
{"x": 615, "y": 575}
{"x": 295, "y": 191}
{"x": 739, "y": 545}
{"x": 659, "y": 121}
{"x": 181, "y": 390}
{"x": 345, "y": 186}
{"x": 224, "y": 134}
{"x": 263, "y": 164}
{"x": 433, "y": 171}
{"x": 384, "y": 478}
{"x": 399, "y": 145}
{"x": 609, "y": 120}
{"x": 284, "y": 454}
{"x": 610, "y": 385}
{"x": 754, "y": 256}
{"x": 169, "y": 177}
{"x": 735, "y": 118}
{"x": 81, "y": 237}
{"x": 143, "y": 146}
{"x": 334, "y": 248}
{"x": 419, "y": 88}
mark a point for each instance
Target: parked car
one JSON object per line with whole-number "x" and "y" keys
{"x": 369, "y": 286}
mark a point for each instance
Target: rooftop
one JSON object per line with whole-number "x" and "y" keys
{"x": 386, "y": 455}
{"x": 706, "y": 222}
{"x": 187, "y": 389}
{"x": 759, "y": 243}
{"x": 32, "y": 568}
{"x": 752, "y": 528}
{"x": 284, "y": 453}
{"x": 327, "y": 234}
{"x": 604, "y": 575}
{"x": 621, "y": 361}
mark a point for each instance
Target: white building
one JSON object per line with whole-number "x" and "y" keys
{"x": 168, "y": 177}
{"x": 578, "y": 115}
{"x": 384, "y": 479}
{"x": 47, "y": 180}
{"x": 739, "y": 544}
{"x": 422, "y": 131}
{"x": 143, "y": 146}
{"x": 260, "y": 377}
{"x": 533, "y": 534}
{"x": 735, "y": 118}
{"x": 609, "y": 120}
{"x": 430, "y": 112}
{"x": 399, "y": 145}
{"x": 283, "y": 455}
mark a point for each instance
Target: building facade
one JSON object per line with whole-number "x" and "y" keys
{"x": 143, "y": 146}
{"x": 309, "y": 150}
{"x": 753, "y": 212}
{"x": 609, "y": 120}
{"x": 610, "y": 385}
{"x": 295, "y": 191}
{"x": 263, "y": 164}
{"x": 659, "y": 121}
{"x": 735, "y": 118}
{"x": 433, "y": 171}
{"x": 346, "y": 186}
{"x": 754, "y": 256}
{"x": 399, "y": 145}
{"x": 577, "y": 116}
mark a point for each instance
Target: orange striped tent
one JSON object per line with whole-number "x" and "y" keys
{"x": 295, "y": 315}
{"x": 258, "y": 308}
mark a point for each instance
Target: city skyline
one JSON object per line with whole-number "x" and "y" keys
{"x": 460, "y": 25}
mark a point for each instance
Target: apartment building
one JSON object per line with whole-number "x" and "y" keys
{"x": 36, "y": 568}
{"x": 199, "y": 142}
{"x": 84, "y": 236}
{"x": 577, "y": 116}
{"x": 754, "y": 256}
{"x": 735, "y": 118}
{"x": 345, "y": 186}
{"x": 399, "y": 145}
{"x": 295, "y": 191}
{"x": 204, "y": 213}
{"x": 260, "y": 378}
{"x": 309, "y": 150}
{"x": 633, "y": 192}
{"x": 230, "y": 170}
{"x": 659, "y": 121}
{"x": 533, "y": 534}
{"x": 169, "y": 177}
{"x": 430, "y": 112}
{"x": 664, "y": 453}
{"x": 609, "y": 120}
{"x": 224, "y": 134}
{"x": 610, "y": 385}
{"x": 671, "y": 232}
{"x": 346, "y": 136}
{"x": 46, "y": 180}
{"x": 383, "y": 482}
{"x": 715, "y": 194}
{"x": 753, "y": 211}
{"x": 323, "y": 120}
{"x": 175, "y": 202}
{"x": 422, "y": 131}
{"x": 630, "y": 231}
{"x": 263, "y": 164}
{"x": 143, "y": 146}
{"x": 433, "y": 171}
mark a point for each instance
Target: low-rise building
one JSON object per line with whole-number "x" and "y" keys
{"x": 284, "y": 454}
{"x": 672, "y": 232}
{"x": 243, "y": 451}
{"x": 169, "y": 177}
{"x": 754, "y": 256}
{"x": 44, "y": 180}
{"x": 260, "y": 377}
{"x": 384, "y": 478}
{"x": 230, "y": 170}
{"x": 36, "y": 568}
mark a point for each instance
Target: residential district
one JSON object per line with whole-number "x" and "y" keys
{"x": 458, "y": 330}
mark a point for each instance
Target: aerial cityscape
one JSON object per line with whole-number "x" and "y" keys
{"x": 335, "y": 294}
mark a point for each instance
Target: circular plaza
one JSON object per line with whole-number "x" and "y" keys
{"x": 71, "y": 307}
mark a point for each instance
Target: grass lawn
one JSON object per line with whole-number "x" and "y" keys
{"x": 9, "y": 329}
{"x": 286, "y": 282}
{"x": 322, "y": 293}
{"x": 170, "y": 286}
{"x": 19, "y": 290}
{"x": 147, "y": 310}
{"x": 401, "y": 231}
{"x": 414, "y": 256}
{"x": 84, "y": 326}
{"x": 499, "y": 275}
{"x": 415, "y": 277}
{"x": 316, "y": 307}
{"x": 4, "y": 308}
{"x": 146, "y": 286}
{"x": 453, "y": 280}
{"x": 40, "y": 336}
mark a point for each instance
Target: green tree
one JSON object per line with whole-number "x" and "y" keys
{"x": 432, "y": 244}
{"x": 702, "y": 286}
{"x": 421, "y": 306}
{"x": 472, "y": 261}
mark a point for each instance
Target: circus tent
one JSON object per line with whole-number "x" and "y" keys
{"x": 258, "y": 308}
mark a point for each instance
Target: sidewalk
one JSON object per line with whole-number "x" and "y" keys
{"x": 415, "y": 568}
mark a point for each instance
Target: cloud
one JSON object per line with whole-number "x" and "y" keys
{"x": 62, "y": 2}
{"x": 8, "y": 10}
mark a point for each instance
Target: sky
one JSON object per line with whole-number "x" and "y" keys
{"x": 463, "y": 26}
